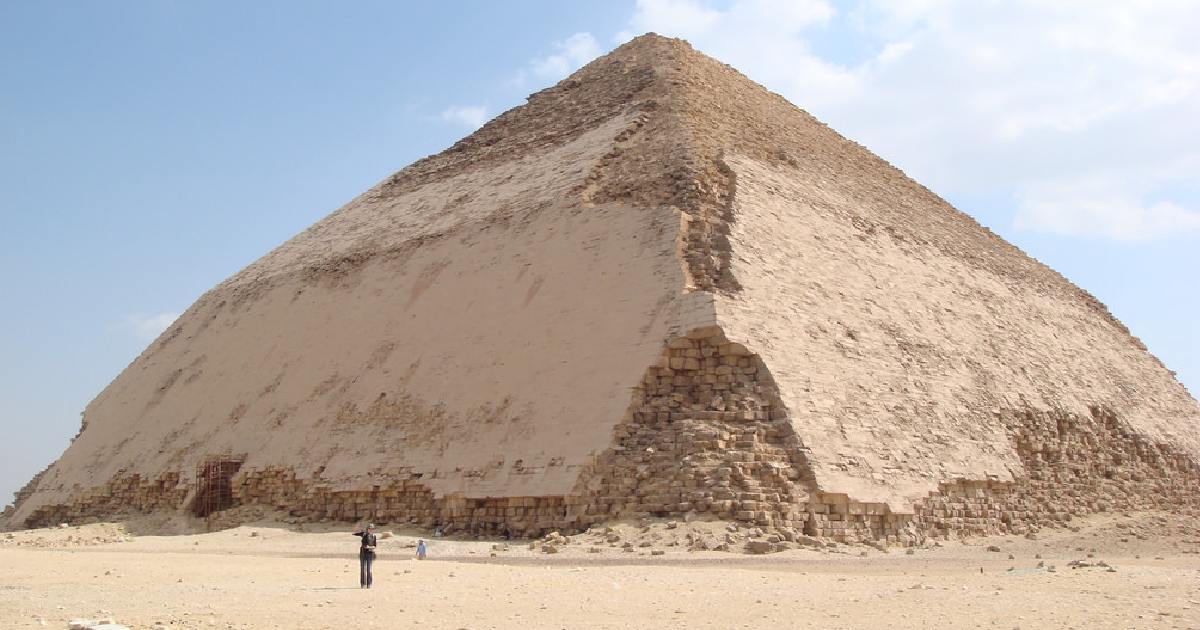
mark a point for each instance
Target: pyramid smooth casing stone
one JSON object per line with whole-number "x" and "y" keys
{"x": 654, "y": 290}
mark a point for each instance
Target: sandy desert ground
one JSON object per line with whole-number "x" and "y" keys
{"x": 279, "y": 575}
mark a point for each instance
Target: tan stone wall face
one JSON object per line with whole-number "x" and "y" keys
{"x": 123, "y": 494}
{"x": 900, "y": 365}
{"x": 706, "y": 436}
{"x": 839, "y": 352}
{"x": 469, "y": 358}
{"x": 1074, "y": 466}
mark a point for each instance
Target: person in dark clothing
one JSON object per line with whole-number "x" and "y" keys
{"x": 366, "y": 554}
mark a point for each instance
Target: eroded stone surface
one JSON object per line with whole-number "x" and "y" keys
{"x": 656, "y": 289}
{"x": 706, "y": 436}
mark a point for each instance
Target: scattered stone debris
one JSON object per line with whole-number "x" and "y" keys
{"x": 1085, "y": 564}
{"x": 94, "y": 624}
{"x": 759, "y": 546}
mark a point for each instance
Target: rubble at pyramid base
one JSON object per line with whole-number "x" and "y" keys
{"x": 706, "y": 437}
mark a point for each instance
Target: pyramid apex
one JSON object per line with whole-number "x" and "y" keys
{"x": 652, "y": 39}
{"x": 649, "y": 47}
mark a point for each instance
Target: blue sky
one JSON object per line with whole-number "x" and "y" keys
{"x": 151, "y": 149}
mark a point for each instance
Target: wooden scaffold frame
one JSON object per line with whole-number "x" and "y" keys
{"x": 214, "y": 484}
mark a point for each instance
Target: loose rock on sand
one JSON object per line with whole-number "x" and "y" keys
{"x": 292, "y": 579}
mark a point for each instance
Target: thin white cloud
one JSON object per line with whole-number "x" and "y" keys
{"x": 1097, "y": 208}
{"x": 570, "y": 54}
{"x": 893, "y": 51}
{"x": 685, "y": 17}
{"x": 1028, "y": 99}
{"x": 149, "y": 327}
{"x": 472, "y": 116}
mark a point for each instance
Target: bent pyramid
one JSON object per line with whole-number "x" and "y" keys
{"x": 654, "y": 289}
